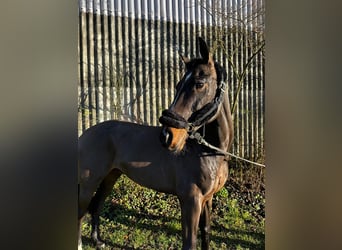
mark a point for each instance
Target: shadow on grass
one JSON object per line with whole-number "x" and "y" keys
{"x": 131, "y": 218}
{"x": 142, "y": 219}
{"x": 234, "y": 237}
{"x": 88, "y": 242}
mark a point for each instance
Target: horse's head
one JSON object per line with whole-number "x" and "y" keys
{"x": 195, "y": 100}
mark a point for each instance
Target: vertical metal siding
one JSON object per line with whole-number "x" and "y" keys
{"x": 129, "y": 62}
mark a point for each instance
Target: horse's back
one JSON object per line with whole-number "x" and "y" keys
{"x": 133, "y": 149}
{"x": 109, "y": 131}
{"x": 97, "y": 147}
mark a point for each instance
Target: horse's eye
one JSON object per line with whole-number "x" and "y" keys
{"x": 201, "y": 73}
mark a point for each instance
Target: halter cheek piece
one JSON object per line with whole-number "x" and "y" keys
{"x": 201, "y": 116}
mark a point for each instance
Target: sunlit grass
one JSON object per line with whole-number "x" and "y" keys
{"x": 139, "y": 218}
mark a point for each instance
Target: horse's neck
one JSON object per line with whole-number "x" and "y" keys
{"x": 223, "y": 125}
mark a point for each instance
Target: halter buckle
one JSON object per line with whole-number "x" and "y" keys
{"x": 190, "y": 128}
{"x": 197, "y": 136}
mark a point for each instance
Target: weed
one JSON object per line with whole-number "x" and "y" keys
{"x": 139, "y": 218}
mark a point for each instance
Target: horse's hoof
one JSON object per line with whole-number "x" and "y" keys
{"x": 100, "y": 245}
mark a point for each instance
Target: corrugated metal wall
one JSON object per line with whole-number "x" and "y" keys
{"x": 129, "y": 62}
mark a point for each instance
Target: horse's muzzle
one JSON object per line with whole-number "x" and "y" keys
{"x": 173, "y": 138}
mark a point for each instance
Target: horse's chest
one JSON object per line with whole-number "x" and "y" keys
{"x": 214, "y": 175}
{"x": 210, "y": 169}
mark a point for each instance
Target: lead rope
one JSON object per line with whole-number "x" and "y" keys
{"x": 202, "y": 141}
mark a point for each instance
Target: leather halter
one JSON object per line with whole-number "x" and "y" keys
{"x": 198, "y": 118}
{"x": 201, "y": 116}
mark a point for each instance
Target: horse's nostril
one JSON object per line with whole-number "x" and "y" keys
{"x": 165, "y": 137}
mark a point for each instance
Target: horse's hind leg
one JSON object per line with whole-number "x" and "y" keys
{"x": 204, "y": 225}
{"x": 97, "y": 203}
{"x": 85, "y": 194}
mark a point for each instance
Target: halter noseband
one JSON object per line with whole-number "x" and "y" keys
{"x": 198, "y": 118}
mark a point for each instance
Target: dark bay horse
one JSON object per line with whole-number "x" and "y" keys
{"x": 182, "y": 166}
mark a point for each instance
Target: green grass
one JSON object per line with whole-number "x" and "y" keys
{"x": 139, "y": 218}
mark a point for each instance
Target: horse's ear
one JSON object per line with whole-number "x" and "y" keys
{"x": 185, "y": 59}
{"x": 221, "y": 73}
{"x": 204, "y": 50}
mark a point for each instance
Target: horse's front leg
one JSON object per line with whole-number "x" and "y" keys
{"x": 204, "y": 224}
{"x": 190, "y": 213}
